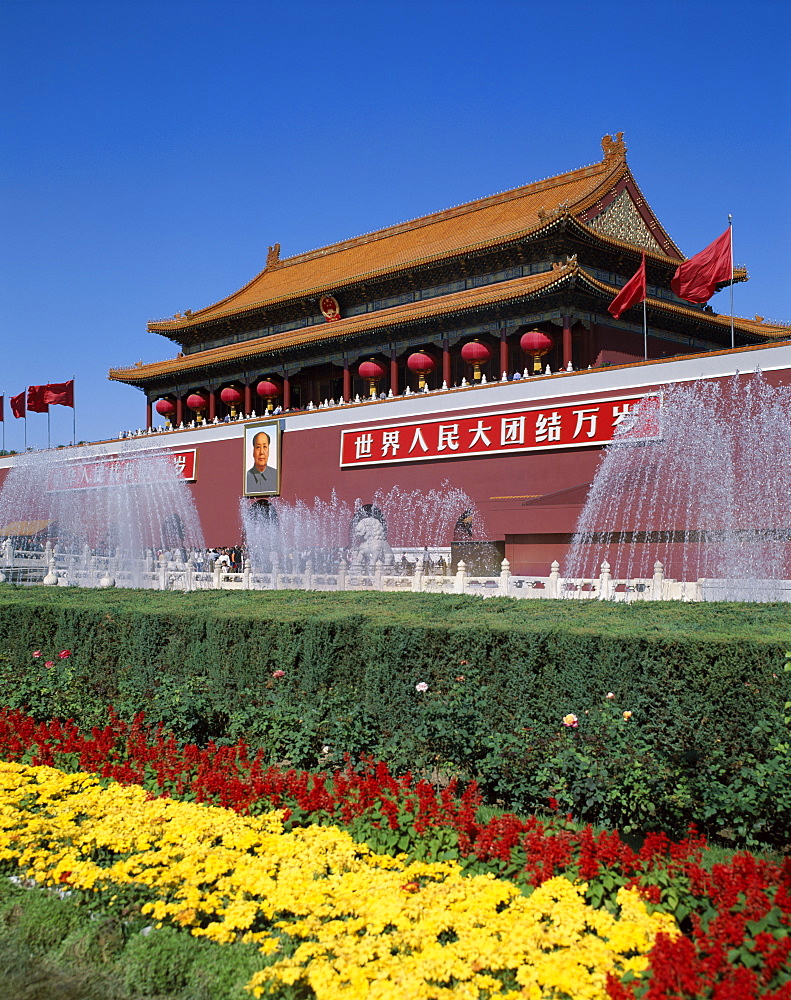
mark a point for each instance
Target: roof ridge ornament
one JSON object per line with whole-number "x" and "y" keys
{"x": 613, "y": 148}
{"x": 273, "y": 257}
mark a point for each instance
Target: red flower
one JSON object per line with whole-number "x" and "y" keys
{"x": 49, "y": 663}
{"x": 64, "y": 653}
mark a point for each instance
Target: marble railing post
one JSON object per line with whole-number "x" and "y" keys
{"x": 505, "y": 578}
{"x": 553, "y": 587}
{"x": 605, "y": 582}
{"x": 657, "y": 584}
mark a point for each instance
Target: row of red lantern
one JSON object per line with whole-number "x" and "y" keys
{"x": 474, "y": 352}
{"x": 230, "y": 395}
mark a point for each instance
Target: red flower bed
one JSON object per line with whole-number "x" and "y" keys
{"x": 737, "y": 917}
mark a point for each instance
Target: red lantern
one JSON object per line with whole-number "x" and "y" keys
{"x": 476, "y": 354}
{"x": 165, "y": 408}
{"x": 231, "y": 397}
{"x": 269, "y": 390}
{"x": 372, "y": 371}
{"x": 198, "y": 403}
{"x": 421, "y": 364}
{"x": 536, "y": 343}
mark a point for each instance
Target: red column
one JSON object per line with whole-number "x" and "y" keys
{"x": 212, "y": 404}
{"x": 248, "y": 399}
{"x": 179, "y": 411}
{"x": 149, "y": 415}
{"x": 566, "y": 341}
{"x": 347, "y": 381}
{"x": 503, "y": 354}
{"x": 393, "y": 372}
{"x": 286, "y": 392}
{"x": 446, "y": 376}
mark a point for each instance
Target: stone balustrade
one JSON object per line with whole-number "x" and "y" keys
{"x": 90, "y": 570}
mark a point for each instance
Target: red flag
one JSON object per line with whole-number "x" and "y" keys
{"x": 35, "y": 399}
{"x": 697, "y": 278}
{"x": 59, "y": 393}
{"x": 18, "y": 404}
{"x": 633, "y": 291}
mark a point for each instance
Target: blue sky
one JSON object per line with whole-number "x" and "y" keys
{"x": 151, "y": 151}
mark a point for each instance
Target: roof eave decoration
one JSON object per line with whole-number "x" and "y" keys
{"x": 561, "y": 277}
{"x": 457, "y": 303}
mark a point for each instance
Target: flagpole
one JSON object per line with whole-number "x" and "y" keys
{"x": 645, "y": 334}
{"x": 73, "y": 414}
{"x": 49, "y": 444}
{"x": 730, "y": 229}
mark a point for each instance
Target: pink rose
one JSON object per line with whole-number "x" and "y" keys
{"x": 279, "y": 673}
{"x": 64, "y": 653}
{"x": 49, "y": 663}
{"x": 37, "y": 653}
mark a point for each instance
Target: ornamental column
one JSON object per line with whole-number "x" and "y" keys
{"x": 179, "y": 411}
{"x": 212, "y": 404}
{"x": 248, "y": 399}
{"x": 446, "y": 376}
{"x": 566, "y": 341}
{"x": 286, "y": 392}
{"x": 503, "y": 352}
{"x": 149, "y": 416}
{"x": 347, "y": 381}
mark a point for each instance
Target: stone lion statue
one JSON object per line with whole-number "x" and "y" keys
{"x": 372, "y": 546}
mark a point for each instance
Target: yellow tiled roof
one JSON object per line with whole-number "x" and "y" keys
{"x": 20, "y": 528}
{"x": 456, "y": 302}
{"x": 476, "y": 225}
{"x": 395, "y": 316}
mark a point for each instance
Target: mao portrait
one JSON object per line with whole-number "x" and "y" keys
{"x": 262, "y": 459}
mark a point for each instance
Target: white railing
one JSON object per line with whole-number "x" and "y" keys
{"x": 90, "y": 570}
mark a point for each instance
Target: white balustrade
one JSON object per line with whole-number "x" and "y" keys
{"x": 87, "y": 569}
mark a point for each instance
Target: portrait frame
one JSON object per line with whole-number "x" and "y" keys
{"x": 272, "y": 429}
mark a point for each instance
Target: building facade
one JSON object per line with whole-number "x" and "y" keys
{"x": 469, "y": 349}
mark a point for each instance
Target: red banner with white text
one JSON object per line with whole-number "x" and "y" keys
{"x": 138, "y": 470}
{"x": 572, "y": 425}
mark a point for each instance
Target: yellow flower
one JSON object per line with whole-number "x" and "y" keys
{"x": 354, "y": 929}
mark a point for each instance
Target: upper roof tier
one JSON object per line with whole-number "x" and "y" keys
{"x": 587, "y": 194}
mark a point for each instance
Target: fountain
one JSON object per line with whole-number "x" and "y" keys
{"x": 103, "y": 512}
{"x": 710, "y": 498}
{"x": 410, "y": 524}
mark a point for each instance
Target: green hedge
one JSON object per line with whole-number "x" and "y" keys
{"x": 705, "y": 682}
